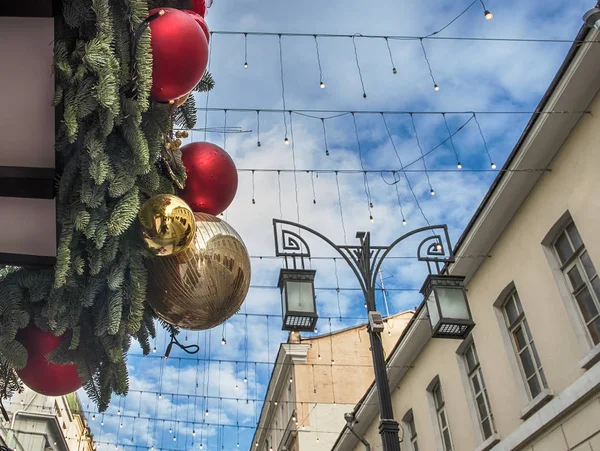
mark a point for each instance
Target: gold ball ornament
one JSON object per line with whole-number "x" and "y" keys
{"x": 205, "y": 284}
{"x": 168, "y": 225}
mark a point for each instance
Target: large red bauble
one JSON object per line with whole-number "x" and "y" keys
{"x": 199, "y": 6}
{"x": 200, "y": 21}
{"x": 179, "y": 54}
{"x": 40, "y": 374}
{"x": 212, "y": 178}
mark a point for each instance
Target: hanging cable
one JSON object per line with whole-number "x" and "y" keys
{"x": 337, "y": 183}
{"x": 295, "y": 171}
{"x": 321, "y": 84}
{"x": 325, "y": 137}
{"x": 245, "y": 50}
{"x": 435, "y": 85}
{"x": 487, "y": 150}
{"x": 358, "y": 65}
{"x": 412, "y": 119}
{"x": 387, "y": 43}
{"x": 286, "y": 140}
{"x": 458, "y": 165}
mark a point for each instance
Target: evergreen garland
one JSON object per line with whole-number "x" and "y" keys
{"x": 110, "y": 141}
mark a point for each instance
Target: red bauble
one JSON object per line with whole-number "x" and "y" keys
{"x": 212, "y": 178}
{"x": 41, "y": 375}
{"x": 179, "y": 54}
{"x": 200, "y": 21}
{"x": 199, "y": 6}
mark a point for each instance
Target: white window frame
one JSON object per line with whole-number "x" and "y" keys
{"x": 529, "y": 406}
{"x": 412, "y": 437}
{"x": 437, "y": 411}
{"x": 485, "y": 443}
{"x": 590, "y": 353}
{"x": 520, "y": 323}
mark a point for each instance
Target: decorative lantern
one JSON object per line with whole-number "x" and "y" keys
{"x": 447, "y": 305}
{"x": 298, "y": 301}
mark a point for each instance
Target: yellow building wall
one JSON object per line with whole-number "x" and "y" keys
{"x": 518, "y": 256}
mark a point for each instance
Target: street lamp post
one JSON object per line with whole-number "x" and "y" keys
{"x": 365, "y": 261}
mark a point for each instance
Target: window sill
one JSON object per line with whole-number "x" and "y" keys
{"x": 591, "y": 358}
{"x": 537, "y": 403}
{"x": 489, "y": 443}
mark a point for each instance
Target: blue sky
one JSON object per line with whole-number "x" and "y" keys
{"x": 473, "y": 76}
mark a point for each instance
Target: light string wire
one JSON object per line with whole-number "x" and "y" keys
{"x": 458, "y": 164}
{"x": 412, "y": 120}
{"x": 362, "y": 83}
{"x": 325, "y": 137}
{"x": 258, "y": 128}
{"x": 430, "y": 37}
{"x": 245, "y": 50}
{"x": 487, "y": 150}
{"x": 312, "y": 182}
{"x": 337, "y": 289}
{"x": 387, "y": 43}
{"x": 337, "y": 184}
{"x": 321, "y": 84}
{"x": 279, "y": 191}
{"x": 286, "y": 140}
{"x": 362, "y": 166}
{"x": 295, "y": 169}
{"x": 435, "y": 85}
{"x": 253, "y": 189}
{"x": 206, "y": 110}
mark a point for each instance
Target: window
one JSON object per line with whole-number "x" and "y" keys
{"x": 412, "y": 431}
{"x": 442, "y": 417}
{"x": 484, "y": 411}
{"x": 522, "y": 340}
{"x": 582, "y": 278}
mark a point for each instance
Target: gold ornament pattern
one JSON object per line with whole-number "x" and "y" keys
{"x": 205, "y": 284}
{"x": 168, "y": 225}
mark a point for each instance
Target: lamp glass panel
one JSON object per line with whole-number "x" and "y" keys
{"x": 432, "y": 309}
{"x": 453, "y": 302}
{"x": 300, "y": 296}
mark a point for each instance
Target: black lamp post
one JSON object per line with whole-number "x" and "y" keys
{"x": 365, "y": 261}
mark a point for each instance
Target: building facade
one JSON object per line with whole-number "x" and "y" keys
{"x": 314, "y": 382}
{"x": 45, "y": 423}
{"x": 527, "y": 377}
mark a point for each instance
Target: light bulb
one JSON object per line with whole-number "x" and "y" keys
{"x": 438, "y": 247}
{"x": 206, "y": 413}
{"x": 493, "y": 165}
{"x": 237, "y": 386}
{"x": 258, "y": 144}
{"x": 170, "y": 430}
{"x": 332, "y": 362}
{"x": 22, "y": 402}
{"x": 193, "y": 433}
{"x": 319, "y": 356}
{"x": 364, "y": 95}
{"x": 394, "y": 71}
{"x": 245, "y": 65}
{"x": 270, "y": 448}
{"x": 303, "y": 427}
{"x": 119, "y": 412}
{"x": 436, "y": 87}
{"x": 201, "y": 446}
{"x": 102, "y": 423}
{"x": 275, "y": 403}
{"x": 291, "y": 380}
{"x": 238, "y": 445}
{"x": 94, "y": 417}
{"x": 245, "y": 379}
{"x": 286, "y": 141}
{"x": 121, "y": 425}
{"x": 488, "y": 15}
{"x": 160, "y": 396}
{"x": 432, "y": 192}
{"x": 322, "y": 85}
{"x": 316, "y": 331}
{"x": 174, "y": 438}
{"x": 256, "y": 444}
{"x": 154, "y": 349}
{"x": 294, "y": 418}
{"x": 317, "y": 439}
{"x": 403, "y": 221}
{"x": 371, "y": 218}
{"x": 459, "y": 166}
{"x": 223, "y": 341}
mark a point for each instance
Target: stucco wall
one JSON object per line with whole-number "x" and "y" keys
{"x": 519, "y": 257}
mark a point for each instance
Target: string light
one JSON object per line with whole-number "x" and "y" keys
{"x": 436, "y": 87}
{"x": 206, "y": 413}
{"x": 322, "y": 85}
{"x": 154, "y": 349}
{"x": 488, "y": 15}
{"x": 94, "y": 417}
{"x": 223, "y": 341}
{"x": 371, "y": 218}
{"x": 194, "y": 433}
{"x": 493, "y": 166}
{"x": 432, "y": 192}
{"x": 286, "y": 141}
{"x": 245, "y": 50}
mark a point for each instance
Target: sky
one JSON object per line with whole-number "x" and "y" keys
{"x": 473, "y": 75}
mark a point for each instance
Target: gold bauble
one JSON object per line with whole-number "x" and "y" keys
{"x": 168, "y": 224}
{"x": 205, "y": 284}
